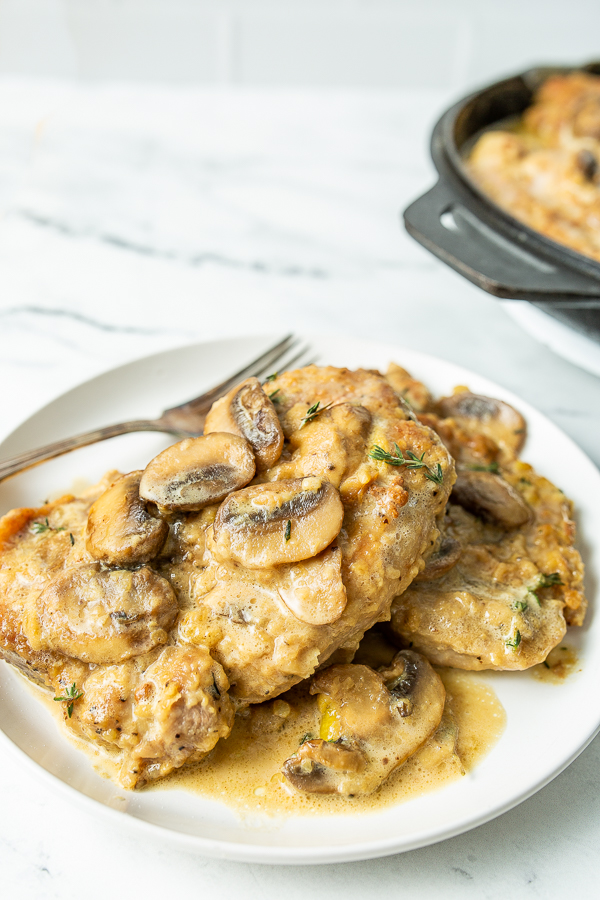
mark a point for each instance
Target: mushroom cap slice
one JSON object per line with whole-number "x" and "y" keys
{"x": 372, "y": 722}
{"x": 248, "y": 412}
{"x": 278, "y": 522}
{"x": 198, "y": 471}
{"x": 120, "y": 531}
{"x": 103, "y": 616}
{"x": 443, "y": 558}
{"x": 495, "y": 418}
{"x": 314, "y": 590}
{"x": 491, "y": 498}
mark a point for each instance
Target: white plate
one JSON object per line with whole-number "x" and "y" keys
{"x": 548, "y": 725}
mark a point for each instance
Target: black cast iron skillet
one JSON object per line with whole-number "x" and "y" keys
{"x": 495, "y": 251}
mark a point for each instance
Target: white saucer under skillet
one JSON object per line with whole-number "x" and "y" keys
{"x": 566, "y": 342}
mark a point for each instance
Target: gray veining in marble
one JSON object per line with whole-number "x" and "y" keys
{"x": 138, "y": 219}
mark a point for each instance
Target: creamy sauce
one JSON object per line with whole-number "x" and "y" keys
{"x": 558, "y": 665}
{"x": 244, "y": 770}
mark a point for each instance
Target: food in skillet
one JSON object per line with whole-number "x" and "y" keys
{"x": 161, "y": 602}
{"x": 503, "y": 580}
{"x": 546, "y": 171}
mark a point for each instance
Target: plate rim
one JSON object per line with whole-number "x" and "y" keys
{"x": 271, "y": 853}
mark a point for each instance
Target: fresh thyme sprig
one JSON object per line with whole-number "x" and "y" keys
{"x": 492, "y": 467}
{"x": 549, "y": 580}
{"x": 313, "y": 411}
{"x": 271, "y": 377}
{"x": 71, "y": 695}
{"x": 411, "y": 461}
{"x": 41, "y": 527}
{"x": 515, "y": 640}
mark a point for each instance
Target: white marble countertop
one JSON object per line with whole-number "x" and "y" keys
{"x": 137, "y": 219}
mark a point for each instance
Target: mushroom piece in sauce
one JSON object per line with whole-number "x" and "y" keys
{"x": 198, "y": 471}
{"x": 497, "y": 419}
{"x": 103, "y": 616}
{"x": 313, "y": 589}
{"x": 278, "y": 522}
{"x": 120, "y": 531}
{"x": 445, "y": 555}
{"x": 491, "y": 498}
{"x": 371, "y": 723}
{"x": 248, "y": 412}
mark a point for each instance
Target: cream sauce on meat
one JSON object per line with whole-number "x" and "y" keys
{"x": 244, "y": 770}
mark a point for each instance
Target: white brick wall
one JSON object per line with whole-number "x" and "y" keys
{"x": 370, "y": 43}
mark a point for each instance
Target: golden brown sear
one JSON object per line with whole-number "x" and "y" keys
{"x": 546, "y": 170}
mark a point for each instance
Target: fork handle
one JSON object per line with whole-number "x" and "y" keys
{"x": 14, "y": 464}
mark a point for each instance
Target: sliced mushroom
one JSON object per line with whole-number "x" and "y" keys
{"x": 320, "y": 766}
{"x": 371, "y": 723}
{"x": 198, "y": 471}
{"x": 495, "y": 418}
{"x": 587, "y": 163}
{"x": 278, "y": 522}
{"x": 103, "y": 616}
{"x": 248, "y": 412}
{"x": 314, "y": 590}
{"x": 491, "y": 498}
{"x": 443, "y": 558}
{"x": 120, "y": 531}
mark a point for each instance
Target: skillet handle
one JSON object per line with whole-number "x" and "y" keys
{"x": 447, "y": 228}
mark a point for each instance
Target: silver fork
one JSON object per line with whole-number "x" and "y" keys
{"x": 185, "y": 420}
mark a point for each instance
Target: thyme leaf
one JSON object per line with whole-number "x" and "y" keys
{"x": 515, "y": 640}
{"x": 436, "y": 475}
{"x": 520, "y": 605}
{"x": 549, "y": 580}
{"x": 71, "y": 694}
{"x": 271, "y": 377}
{"x": 410, "y": 461}
{"x": 41, "y": 527}
{"x": 72, "y": 539}
{"x": 274, "y": 394}
{"x": 288, "y": 530}
{"x": 492, "y": 467}
{"x": 313, "y": 411}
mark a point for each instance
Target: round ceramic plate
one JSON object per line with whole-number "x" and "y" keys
{"x": 533, "y": 749}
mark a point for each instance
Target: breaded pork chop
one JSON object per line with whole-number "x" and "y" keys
{"x": 96, "y": 636}
{"x": 504, "y": 580}
{"x": 139, "y": 632}
{"x": 270, "y": 626}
